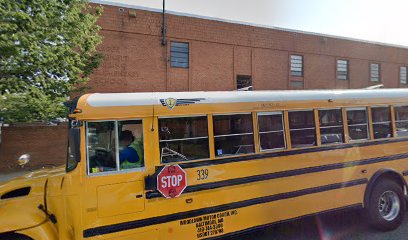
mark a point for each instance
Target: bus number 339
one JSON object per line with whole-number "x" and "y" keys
{"x": 202, "y": 174}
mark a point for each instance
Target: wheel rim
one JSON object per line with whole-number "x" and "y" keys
{"x": 389, "y": 205}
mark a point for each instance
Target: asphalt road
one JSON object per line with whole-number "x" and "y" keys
{"x": 347, "y": 225}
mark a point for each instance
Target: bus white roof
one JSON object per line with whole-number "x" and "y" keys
{"x": 154, "y": 98}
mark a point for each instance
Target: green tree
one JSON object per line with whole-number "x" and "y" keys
{"x": 47, "y": 53}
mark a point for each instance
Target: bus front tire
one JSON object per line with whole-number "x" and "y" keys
{"x": 386, "y": 205}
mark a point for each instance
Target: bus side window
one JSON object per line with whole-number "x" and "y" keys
{"x": 131, "y": 150}
{"x": 381, "y": 122}
{"x": 183, "y": 138}
{"x": 233, "y": 134}
{"x": 357, "y": 122}
{"x": 401, "y": 120}
{"x": 302, "y": 128}
{"x": 101, "y": 148}
{"x": 331, "y": 126}
{"x": 271, "y": 130}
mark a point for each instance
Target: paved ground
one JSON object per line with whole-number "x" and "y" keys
{"x": 348, "y": 225}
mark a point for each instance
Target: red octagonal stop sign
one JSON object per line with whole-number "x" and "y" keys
{"x": 171, "y": 181}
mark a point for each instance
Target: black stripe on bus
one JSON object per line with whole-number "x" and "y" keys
{"x": 118, "y": 227}
{"x": 287, "y": 153}
{"x": 259, "y": 227}
{"x": 282, "y": 174}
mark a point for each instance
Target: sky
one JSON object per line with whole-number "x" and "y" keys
{"x": 372, "y": 20}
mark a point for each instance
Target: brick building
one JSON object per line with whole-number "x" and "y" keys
{"x": 212, "y": 54}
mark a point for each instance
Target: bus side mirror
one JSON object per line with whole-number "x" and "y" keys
{"x": 23, "y": 160}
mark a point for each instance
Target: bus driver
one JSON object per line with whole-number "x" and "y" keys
{"x": 131, "y": 153}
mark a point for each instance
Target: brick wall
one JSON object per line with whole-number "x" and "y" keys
{"x": 219, "y": 51}
{"x": 47, "y": 145}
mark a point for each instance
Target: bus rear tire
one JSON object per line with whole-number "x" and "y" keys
{"x": 386, "y": 205}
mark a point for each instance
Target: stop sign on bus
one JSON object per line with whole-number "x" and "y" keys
{"x": 171, "y": 181}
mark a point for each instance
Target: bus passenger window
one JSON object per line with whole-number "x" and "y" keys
{"x": 357, "y": 123}
{"x": 401, "y": 120}
{"x": 101, "y": 146}
{"x": 233, "y": 134}
{"x": 381, "y": 122}
{"x": 131, "y": 151}
{"x": 302, "y": 128}
{"x": 331, "y": 126}
{"x": 271, "y": 131}
{"x": 183, "y": 139}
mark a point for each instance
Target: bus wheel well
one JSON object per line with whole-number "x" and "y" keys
{"x": 14, "y": 236}
{"x": 380, "y": 175}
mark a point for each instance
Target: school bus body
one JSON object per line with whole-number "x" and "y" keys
{"x": 241, "y": 193}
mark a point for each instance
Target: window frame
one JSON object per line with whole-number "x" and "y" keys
{"x": 302, "y": 65}
{"x": 283, "y": 130}
{"x": 337, "y": 126}
{"x": 300, "y": 129}
{"x": 390, "y": 121}
{"x": 117, "y": 171}
{"x": 347, "y": 69}
{"x": 188, "y": 55}
{"x": 236, "y": 134}
{"x": 371, "y": 72}
{"x": 394, "y": 118}
{"x": 185, "y": 116}
{"x": 369, "y": 124}
{"x": 403, "y": 81}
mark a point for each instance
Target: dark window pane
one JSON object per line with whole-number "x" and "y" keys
{"x": 101, "y": 146}
{"x": 183, "y": 150}
{"x": 302, "y": 128}
{"x": 243, "y": 81}
{"x": 301, "y": 119}
{"x": 331, "y": 126}
{"x": 381, "y": 122}
{"x": 382, "y": 130}
{"x": 401, "y": 120}
{"x": 356, "y": 116}
{"x": 272, "y": 122}
{"x": 303, "y": 138}
{"x": 184, "y": 127}
{"x": 358, "y": 132}
{"x": 232, "y": 124}
{"x": 184, "y": 138}
{"x": 272, "y": 140}
{"x": 380, "y": 114}
{"x": 131, "y": 150}
{"x": 233, "y": 145}
{"x": 357, "y": 124}
{"x": 331, "y": 135}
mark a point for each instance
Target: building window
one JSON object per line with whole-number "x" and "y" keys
{"x": 331, "y": 126}
{"x": 342, "y": 70}
{"x": 233, "y": 134}
{"x": 244, "y": 82}
{"x": 183, "y": 139}
{"x": 302, "y": 128}
{"x": 375, "y": 72}
{"x": 403, "y": 75}
{"x": 179, "y": 52}
{"x": 357, "y": 122}
{"x": 401, "y": 120}
{"x": 271, "y": 130}
{"x": 296, "y": 65}
{"x": 381, "y": 122}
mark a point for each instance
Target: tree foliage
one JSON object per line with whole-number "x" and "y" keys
{"x": 47, "y": 52}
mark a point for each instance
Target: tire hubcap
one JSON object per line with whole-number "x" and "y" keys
{"x": 389, "y": 205}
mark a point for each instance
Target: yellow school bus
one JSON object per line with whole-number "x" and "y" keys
{"x": 250, "y": 159}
